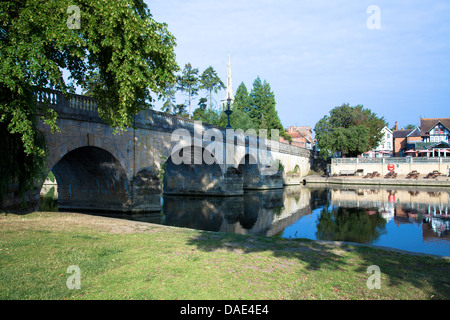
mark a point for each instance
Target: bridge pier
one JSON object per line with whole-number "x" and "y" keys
{"x": 145, "y": 192}
{"x": 258, "y": 177}
{"x": 192, "y": 179}
{"x": 264, "y": 182}
{"x": 290, "y": 179}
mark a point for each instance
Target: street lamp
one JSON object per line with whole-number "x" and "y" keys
{"x": 228, "y": 112}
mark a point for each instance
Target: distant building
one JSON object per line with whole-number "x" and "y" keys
{"x": 435, "y": 130}
{"x": 405, "y": 140}
{"x": 301, "y": 136}
{"x": 431, "y": 139}
{"x": 385, "y": 147}
{"x": 387, "y": 142}
{"x": 435, "y": 135}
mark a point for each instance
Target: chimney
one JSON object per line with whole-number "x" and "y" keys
{"x": 396, "y": 126}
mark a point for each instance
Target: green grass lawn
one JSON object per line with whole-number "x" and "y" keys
{"x": 120, "y": 259}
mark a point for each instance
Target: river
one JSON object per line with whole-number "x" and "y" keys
{"x": 416, "y": 220}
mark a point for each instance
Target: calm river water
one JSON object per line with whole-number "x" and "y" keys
{"x": 416, "y": 220}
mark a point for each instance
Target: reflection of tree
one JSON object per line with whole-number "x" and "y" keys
{"x": 350, "y": 224}
{"x": 49, "y": 202}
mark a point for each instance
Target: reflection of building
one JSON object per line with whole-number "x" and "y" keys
{"x": 403, "y": 206}
{"x": 365, "y": 198}
{"x": 439, "y": 226}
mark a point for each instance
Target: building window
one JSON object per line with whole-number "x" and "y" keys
{"x": 438, "y": 131}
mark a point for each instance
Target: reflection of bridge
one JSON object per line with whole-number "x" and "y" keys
{"x": 98, "y": 170}
{"x": 258, "y": 212}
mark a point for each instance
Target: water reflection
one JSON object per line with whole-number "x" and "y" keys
{"x": 49, "y": 200}
{"x": 428, "y": 208}
{"x": 350, "y": 224}
{"x": 410, "y": 219}
{"x": 256, "y": 212}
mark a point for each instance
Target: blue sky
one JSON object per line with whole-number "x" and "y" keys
{"x": 320, "y": 54}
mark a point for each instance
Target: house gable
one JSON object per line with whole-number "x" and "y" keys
{"x": 427, "y": 125}
{"x": 438, "y": 129}
{"x": 435, "y": 130}
{"x": 415, "y": 133}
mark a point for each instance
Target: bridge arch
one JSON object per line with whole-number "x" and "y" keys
{"x": 74, "y": 136}
{"x": 91, "y": 178}
{"x": 297, "y": 170}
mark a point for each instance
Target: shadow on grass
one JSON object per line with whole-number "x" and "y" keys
{"x": 429, "y": 274}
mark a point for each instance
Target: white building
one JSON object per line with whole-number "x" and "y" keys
{"x": 386, "y": 146}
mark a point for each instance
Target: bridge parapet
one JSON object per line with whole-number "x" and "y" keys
{"x": 166, "y": 122}
{"x": 75, "y": 106}
{"x": 71, "y": 105}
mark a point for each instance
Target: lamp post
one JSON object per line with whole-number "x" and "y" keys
{"x": 228, "y": 112}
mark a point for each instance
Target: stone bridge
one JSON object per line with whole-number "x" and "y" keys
{"x": 96, "y": 169}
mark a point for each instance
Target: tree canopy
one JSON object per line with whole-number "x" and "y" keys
{"x": 117, "y": 43}
{"x": 262, "y": 106}
{"x": 241, "y": 99}
{"x": 188, "y": 82}
{"x": 210, "y": 81}
{"x": 255, "y": 110}
{"x": 348, "y": 130}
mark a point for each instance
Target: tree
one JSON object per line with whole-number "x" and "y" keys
{"x": 120, "y": 45}
{"x": 188, "y": 82}
{"x": 262, "y": 109}
{"x": 241, "y": 99}
{"x": 202, "y": 104}
{"x": 240, "y": 120}
{"x": 200, "y": 111}
{"x": 180, "y": 110}
{"x": 250, "y": 111}
{"x": 210, "y": 81}
{"x": 169, "y": 96}
{"x": 348, "y": 130}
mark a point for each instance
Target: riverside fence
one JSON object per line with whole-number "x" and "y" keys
{"x": 402, "y": 166}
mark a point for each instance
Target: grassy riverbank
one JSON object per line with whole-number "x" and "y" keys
{"x": 121, "y": 259}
